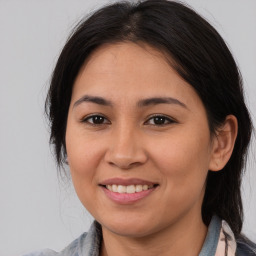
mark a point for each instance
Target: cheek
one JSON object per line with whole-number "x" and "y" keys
{"x": 84, "y": 156}
{"x": 82, "y": 150}
{"x": 183, "y": 161}
{"x": 83, "y": 163}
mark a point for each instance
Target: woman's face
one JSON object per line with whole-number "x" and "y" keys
{"x": 136, "y": 127}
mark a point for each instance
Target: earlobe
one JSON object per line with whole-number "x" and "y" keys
{"x": 223, "y": 143}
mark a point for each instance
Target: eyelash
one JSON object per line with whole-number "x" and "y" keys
{"x": 165, "y": 118}
{"x": 85, "y": 120}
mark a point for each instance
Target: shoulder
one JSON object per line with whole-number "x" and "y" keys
{"x": 245, "y": 247}
{"x": 71, "y": 249}
{"x": 87, "y": 244}
{"x": 45, "y": 252}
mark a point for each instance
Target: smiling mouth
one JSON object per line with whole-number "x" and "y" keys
{"x": 127, "y": 191}
{"x": 130, "y": 189}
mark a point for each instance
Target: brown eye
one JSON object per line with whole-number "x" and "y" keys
{"x": 96, "y": 120}
{"x": 159, "y": 120}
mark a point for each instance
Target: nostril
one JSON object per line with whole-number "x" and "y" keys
{"x": 125, "y": 157}
{"x": 124, "y": 164}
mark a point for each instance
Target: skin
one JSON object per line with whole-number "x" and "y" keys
{"x": 176, "y": 154}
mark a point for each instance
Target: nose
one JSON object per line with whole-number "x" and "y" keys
{"x": 126, "y": 149}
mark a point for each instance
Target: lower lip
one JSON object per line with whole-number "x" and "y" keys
{"x": 126, "y": 198}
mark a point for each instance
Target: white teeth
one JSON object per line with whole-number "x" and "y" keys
{"x": 145, "y": 187}
{"x": 121, "y": 189}
{"x": 114, "y": 188}
{"x": 109, "y": 187}
{"x": 130, "y": 189}
{"x": 138, "y": 188}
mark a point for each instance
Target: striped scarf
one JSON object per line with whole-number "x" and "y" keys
{"x": 227, "y": 243}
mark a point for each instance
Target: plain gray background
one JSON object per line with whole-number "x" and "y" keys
{"x": 38, "y": 210}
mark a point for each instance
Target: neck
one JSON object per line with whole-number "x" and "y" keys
{"x": 185, "y": 237}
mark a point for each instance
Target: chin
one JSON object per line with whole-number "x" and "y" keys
{"x": 131, "y": 231}
{"x": 130, "y": 227}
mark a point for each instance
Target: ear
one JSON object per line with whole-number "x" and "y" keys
{"x": 223, "y": 143}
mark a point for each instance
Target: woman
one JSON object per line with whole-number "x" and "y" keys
{"x": 146, "y": 107}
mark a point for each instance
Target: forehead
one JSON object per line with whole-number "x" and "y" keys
{"x": 125, "y": 56}
{"x": 129, "y": 69}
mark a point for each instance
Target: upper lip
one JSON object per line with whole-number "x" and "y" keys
{"x": 126, "y": 182}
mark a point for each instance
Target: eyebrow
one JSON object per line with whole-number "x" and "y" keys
{"x": 160, "y": 100}
{"x": 141, "y": 103}
{"x": 93, "y": 99}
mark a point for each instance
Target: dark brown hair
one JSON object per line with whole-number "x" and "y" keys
{"x": 198, "y": 54}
